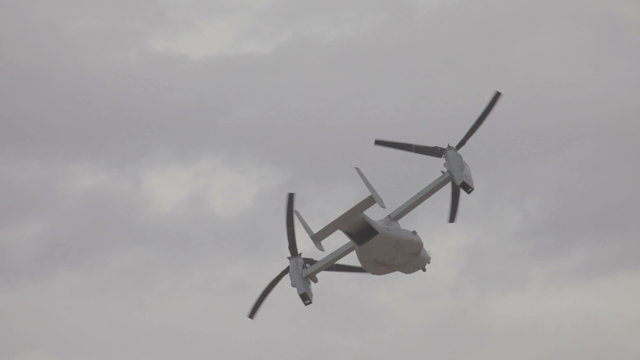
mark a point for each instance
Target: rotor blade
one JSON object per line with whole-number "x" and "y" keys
{"x": 337, "y": 267}
{"x": 291, "y": 231}
{"x": 266, "y": 292}
{"x": 479, "y": 120}
{"x": 455, "y": 199}
{"x": 434, "y": 151}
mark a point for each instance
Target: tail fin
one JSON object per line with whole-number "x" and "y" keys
{"x": 307, "y": 228}
{"x": 347, "y": 220}
{"x": 373, "y": 191}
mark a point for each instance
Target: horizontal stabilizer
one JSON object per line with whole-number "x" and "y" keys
{"x": 350, "y": 219}
{"x": 346, "y": 220}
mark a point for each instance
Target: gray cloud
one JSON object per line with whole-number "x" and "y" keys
{"x": 143, "y": 186}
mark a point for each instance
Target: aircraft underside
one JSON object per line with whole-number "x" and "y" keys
{"x": 393, "y": 249}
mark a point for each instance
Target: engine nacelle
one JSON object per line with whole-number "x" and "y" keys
{"x": 298, "y": 281}
{"x": 459, "y": 170}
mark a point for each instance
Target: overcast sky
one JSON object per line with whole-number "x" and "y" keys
{"x": 146, "y": 149}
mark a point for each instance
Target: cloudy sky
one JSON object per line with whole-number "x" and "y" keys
{"x": 146, "y": 149}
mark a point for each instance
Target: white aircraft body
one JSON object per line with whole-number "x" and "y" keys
{"x": 382, "y": 246}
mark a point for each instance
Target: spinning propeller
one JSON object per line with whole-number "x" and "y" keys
{"x": 459, "y": 170}
{"x": 296, "y": 258}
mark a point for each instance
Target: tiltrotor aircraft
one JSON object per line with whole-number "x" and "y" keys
{"x": 382, "y": 246}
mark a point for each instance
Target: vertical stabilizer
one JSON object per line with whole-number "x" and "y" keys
{"x": 307, "y": 228}
{"x": 373, "y": 191}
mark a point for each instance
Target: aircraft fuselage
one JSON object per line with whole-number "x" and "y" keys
{"x": 383, "y": 246}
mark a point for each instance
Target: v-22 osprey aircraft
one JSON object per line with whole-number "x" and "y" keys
{"x": 382, "y": 246}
